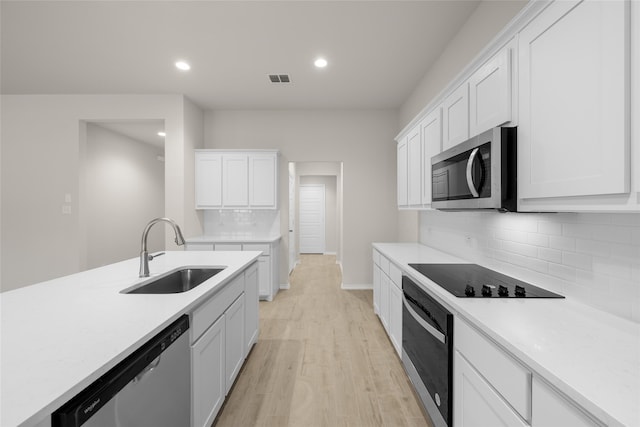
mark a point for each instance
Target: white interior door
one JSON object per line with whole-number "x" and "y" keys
{"x": 312, "y": 219}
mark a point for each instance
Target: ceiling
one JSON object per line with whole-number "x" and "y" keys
{"x": 378, "y": 51}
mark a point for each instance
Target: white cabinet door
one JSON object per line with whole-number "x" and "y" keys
{"x": 475, "y": 403}
{"x": 431, "y": 134}
{"x": 251, "y": 308}
{"x": 414, "y": 175}
{"x": 403, "y": 173}
{"x": 573, "y": 109}
{"x": 234, "y": 341}
{"x": 264, "y": 276}
{"x": 456, "y": 117}
{"x": 490, "y": 93}
{"x": 384, "y": 300}
{"x": 235, "y": 180}
{"x": 208, "y": 375}
{"x": 551, "y": 410}
{"x": 376, "y": 289}
{"x": 262, "y": 180}
{"x": 395, "y": 317}
{"x": 208, "y": 180}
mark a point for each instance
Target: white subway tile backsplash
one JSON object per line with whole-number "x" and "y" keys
{"x": 552, "y": 255}
{"x": 594, "y": 258}
{"x": 562, "y": 243}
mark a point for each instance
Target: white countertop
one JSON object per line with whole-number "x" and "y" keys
{"x": 59, "y": 336}
{"x": 239, "y": 237}
{"x": 591, "y": 356}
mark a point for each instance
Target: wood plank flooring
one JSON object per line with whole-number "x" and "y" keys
{"x": 322, "y": 359}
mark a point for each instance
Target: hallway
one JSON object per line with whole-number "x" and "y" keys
{"x": 322, "y": 359}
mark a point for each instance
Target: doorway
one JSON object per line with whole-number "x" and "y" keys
{"x": 313, "y": 237}
{"x": 121, "y": 189}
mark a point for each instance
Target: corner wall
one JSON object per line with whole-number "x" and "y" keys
{"x": 41, "y": 163}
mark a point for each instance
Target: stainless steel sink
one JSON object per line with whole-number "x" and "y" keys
{"x": 176, "y": 282}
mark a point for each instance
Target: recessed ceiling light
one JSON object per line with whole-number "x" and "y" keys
{"x": 182, "y": 65}
{"x": 320, "y": 63}
{"x": 162, "y": 134}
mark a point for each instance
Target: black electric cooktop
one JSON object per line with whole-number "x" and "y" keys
{"x": 475, "y": 281}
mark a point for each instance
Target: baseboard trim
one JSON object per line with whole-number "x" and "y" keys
{"x": 285, "y": 286}
{"x": 330, "y": 253}
{"x": 356, "y": 286}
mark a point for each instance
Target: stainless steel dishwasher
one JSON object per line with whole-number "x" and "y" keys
{"x": 151, "y": 387}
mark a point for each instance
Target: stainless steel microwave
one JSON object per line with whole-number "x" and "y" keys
{"x": 479, "y": 173}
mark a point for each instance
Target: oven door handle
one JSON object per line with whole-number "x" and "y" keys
{"x": 470, "y": 183}
{"x": 433, "y": 331}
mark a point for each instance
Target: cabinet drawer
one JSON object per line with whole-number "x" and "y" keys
{"x": 264, "y": 248}
{"x": 206, "y": 314}
{"x": 384, "y": 265}
{"x": 228, "y": 246}
{"x": 395, "y": 274}
{"x": 508, "y": 377}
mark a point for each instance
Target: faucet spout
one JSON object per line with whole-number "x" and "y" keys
{"x": 144, "y": 254}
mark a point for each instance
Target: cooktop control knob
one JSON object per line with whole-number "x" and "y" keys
{"x": 503, "y": 291}
{"x": 486, "y": 291}
{"x": 470, "y": 291}
{"x": 520, "y": 291}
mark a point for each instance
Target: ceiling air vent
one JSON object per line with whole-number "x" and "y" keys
{"x": 279, "y": 78}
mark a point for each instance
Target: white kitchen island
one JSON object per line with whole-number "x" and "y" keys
{"x": 59, "y": 336}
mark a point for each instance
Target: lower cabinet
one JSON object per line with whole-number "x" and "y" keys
{"x": 208, "y": 374}
{"x": 222, "y": 331}
{"x": 550, "y": 409}
{"x": 387, "y": 298}
{"x": 476, "y": 403}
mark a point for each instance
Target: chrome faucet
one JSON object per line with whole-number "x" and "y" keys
{"x": 144, "y": 255}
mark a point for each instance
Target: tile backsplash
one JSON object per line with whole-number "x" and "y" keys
{"x": 594, "y": 258}
{"x": 218, "y": 222}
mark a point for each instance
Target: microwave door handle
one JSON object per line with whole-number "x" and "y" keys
{"x": 470, "y": 183}
{"x": 433, "y": 331}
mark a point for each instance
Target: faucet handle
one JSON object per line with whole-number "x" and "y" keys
{"x": 151, "y": 257}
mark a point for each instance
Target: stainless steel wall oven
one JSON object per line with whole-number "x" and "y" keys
{"x": 427, "y": 351}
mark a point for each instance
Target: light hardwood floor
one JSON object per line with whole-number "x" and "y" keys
{"x": 322, "y": 359}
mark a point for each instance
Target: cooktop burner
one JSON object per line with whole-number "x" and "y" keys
{"x": 472, "y": 280}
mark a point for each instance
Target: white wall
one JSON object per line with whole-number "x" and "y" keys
{"x": 489, "y": 18}
{"x": 362, "y": 140}
{"x": 594, "y": 258}
{"x": 124, "y": 189}
{"x": 41, "y": 147}
{"x": 330, "y": 184}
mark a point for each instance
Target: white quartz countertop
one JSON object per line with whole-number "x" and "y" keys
{"x": 589, "y": 355}
{"x": 57, "y": 337}
{"x": 239, "y": 237}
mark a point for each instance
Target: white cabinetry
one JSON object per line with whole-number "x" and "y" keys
{"x": 573, "y": 103}
{"x": 414, "y": 168}
{"x": 476, "y": 403}
{"x": 550, "y": 409}
{"x": 490, "y": 93}
{"x": 251, "y": 320}
{"x": 387, "y": 298}
{"x": 236, "y": 179}
{"x": 219, "y": 344}
{"x": 403, "y": 173}
{"x": 456, "y": 117}
{"x": 208, "y": 180}
{"x": 431, "y": 137}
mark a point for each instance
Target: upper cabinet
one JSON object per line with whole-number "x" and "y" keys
{"x": 456, "y": 117}
{"x": 414, "y": 162}
{"x": 236, "y": 179}
{"x": 403, "y": 173}
{"x": 573, "y": 133}
{"x": 431, "y": 141}
{"x": 490, "y": 93}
